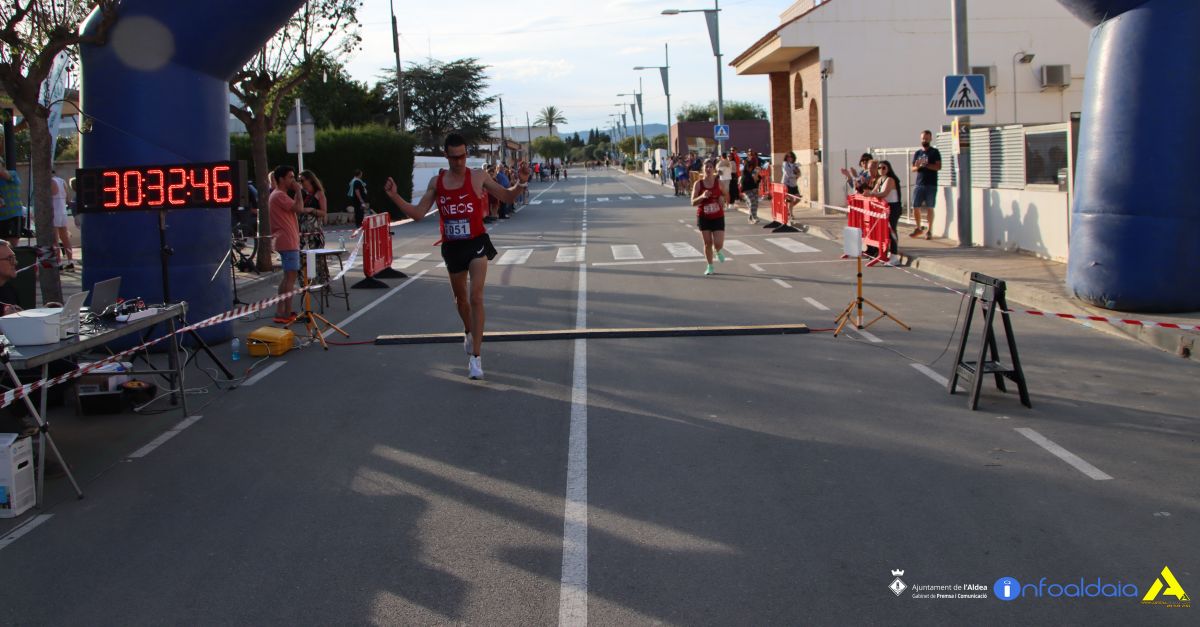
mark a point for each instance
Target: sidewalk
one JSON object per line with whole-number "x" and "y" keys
{"x": 1035, "y": 283}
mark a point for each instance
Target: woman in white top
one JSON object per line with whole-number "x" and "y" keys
{"x": 888, "y": 189}
{"x": 58, "y": 200}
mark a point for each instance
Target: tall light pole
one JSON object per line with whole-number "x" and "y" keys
{"x": 958, "y": 25}
{"x": 664, "y": 71}
{"x": 637, "y": 110}
{"x": 714, "y": 36}
{"x": 1023, "y": 58}
{"x": 399, "y": 71}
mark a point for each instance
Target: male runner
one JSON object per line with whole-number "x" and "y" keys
{"x": 461, "y": 196}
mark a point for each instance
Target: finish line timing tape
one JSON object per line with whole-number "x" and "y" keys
{"x": 12, "y": 396}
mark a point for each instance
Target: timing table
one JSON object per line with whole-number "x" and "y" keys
{"x": 28, "y": 357}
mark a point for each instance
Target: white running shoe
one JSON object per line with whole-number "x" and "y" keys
{"x": 475, "y": 367}
{"x": 467, "y": 346}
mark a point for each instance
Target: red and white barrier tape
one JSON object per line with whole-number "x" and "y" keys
{"x": 11, "y": 396}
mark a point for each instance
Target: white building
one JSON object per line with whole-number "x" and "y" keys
{"x": 850, "y": 75}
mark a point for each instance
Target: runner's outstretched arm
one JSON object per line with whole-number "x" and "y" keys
{"x": 417, "y": 211}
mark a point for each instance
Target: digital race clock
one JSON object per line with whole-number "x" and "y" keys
{"x": 154, "y": 187}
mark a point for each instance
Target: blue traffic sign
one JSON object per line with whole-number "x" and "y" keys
{"x": 721, "y": 132}
{"x": 964, "y": 94}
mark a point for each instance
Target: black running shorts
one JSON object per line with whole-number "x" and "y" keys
{"x": 710, "y": 224}
{"x": 459, "y": 254}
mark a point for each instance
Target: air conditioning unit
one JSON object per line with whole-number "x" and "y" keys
{"x": 1056, "y": 76}
{"x": 989, "y": 75}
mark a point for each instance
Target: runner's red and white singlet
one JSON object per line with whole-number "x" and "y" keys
{"x": 460, "y": 210}
{"x": 711, "y": 209}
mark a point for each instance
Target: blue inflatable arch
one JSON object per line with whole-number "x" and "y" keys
{"x": 158, "y": 92}
{"x": 1136, "y": 218}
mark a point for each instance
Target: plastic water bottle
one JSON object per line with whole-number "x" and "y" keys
{"x": 342, "y": 242}
{"x": 236, "y": 347}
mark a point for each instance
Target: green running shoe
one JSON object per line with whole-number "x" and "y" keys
{"x": 721, "y": 255}
{"x": 708, "y": 270}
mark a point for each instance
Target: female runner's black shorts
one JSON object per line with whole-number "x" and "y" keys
{"x": 458, "y": 254}
{"x": 710, "y": 224}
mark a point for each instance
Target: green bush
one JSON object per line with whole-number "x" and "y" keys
{"x": 378, "y": 150}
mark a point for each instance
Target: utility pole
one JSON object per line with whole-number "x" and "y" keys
{"x": 642, "y": 114}
{"x": 958, "y": 20}
{"x": 399, "y": 71}
{"x": 528, "y": 139}
{"x": 665, "y": 70}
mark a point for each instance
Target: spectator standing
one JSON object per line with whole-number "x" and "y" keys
{"x": 791, "y": 178}
{"x": 358, "y": 197}
{"x": 312, "y": 235}
{"x": 749, "y": 184}
{"x": 285, "y": 204}
{"x": 503, "y": 179}
{"x": 859, "y": 180}
{"x": 12, "y": 211}
{"x": 888, "y": 189}
{"x": 58, "y": 200}
{"x": 926, "y": 163}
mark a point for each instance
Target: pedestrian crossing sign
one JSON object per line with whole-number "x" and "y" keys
{"x": 721, "y": 132}
{"x": 964, "y": 94}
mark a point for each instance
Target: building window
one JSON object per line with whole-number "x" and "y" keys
{"x": 1045, "y": 157}
{"x": 798, "y": 93}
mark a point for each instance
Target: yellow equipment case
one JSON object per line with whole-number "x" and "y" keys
{"x": 270, "y": 341}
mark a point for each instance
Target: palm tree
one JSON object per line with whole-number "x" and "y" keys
{"x": 550, "y": 116}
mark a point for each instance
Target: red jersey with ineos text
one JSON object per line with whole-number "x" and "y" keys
{"x": 460, "y": 210}
{"x": 711, "y": 208}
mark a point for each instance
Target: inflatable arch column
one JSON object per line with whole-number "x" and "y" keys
{"x": 158, "y": 93}
{"x": 1136, "y": 217}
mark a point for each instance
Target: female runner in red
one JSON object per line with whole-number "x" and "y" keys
{"x": 710, "y": 200}
{"x": 461, "y": 196}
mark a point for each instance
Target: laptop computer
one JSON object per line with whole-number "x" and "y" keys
{"x": 105, "y": 294}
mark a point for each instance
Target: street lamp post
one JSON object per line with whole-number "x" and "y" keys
{"x": 1023, "y": 58}
{"x": 399, "y": 71}
{"x": 714, "y": 35}
{"x": 664, "y": 72}
{"x": 638, "y": 110}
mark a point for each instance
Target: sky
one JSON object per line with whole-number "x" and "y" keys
{"x": 573, "y": 54}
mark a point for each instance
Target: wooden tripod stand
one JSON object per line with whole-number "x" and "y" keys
{"x": 313, "y": 320}
{"x": 856, "y": 308}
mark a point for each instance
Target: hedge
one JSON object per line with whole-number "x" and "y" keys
{"x": 378, "y": 151}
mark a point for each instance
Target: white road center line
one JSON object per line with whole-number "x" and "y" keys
{"x": 738, "y": 248}
{"x": 782, "y": 283}
{"x": 573, "y": 587}
{"x": 26, "y": 527}
{"x": 626, "y": 252}
{"x": 791, "y": 245}
{"x": 162, "y": 439}
{"x": 514, "y": 257}
{"x": 810, "y": 300}
{"x": 263, "y": 373}
{"x": 569, "y": 254}
{"x": 1074, "y": 460}
{"x": 681, "y": 250}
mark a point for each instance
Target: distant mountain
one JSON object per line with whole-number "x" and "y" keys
{"x": 651, "y": 130}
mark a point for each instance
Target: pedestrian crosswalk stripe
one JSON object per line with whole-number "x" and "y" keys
{"x": 647, "y": 197}
{"x": 569, "y": 254}
{"x": 626, "y": 252}
{"x": 665, "y": 196}
{"x": 557, "y": 201}
{"x": 625, "y": 197}
{"x": 407, "y": 261}
{"x": 681, "y": 250}
{"x": 791, "y": 245}
{"x": 738, "y": 248}
{"x": 579, "y": 200}
{"x": 535, "y": 202}
{"x": 514, "y": 257}
{"x": 602, "y": 199}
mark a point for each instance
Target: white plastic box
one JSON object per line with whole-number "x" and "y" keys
{"x": 17, "y": 492}
{"x": 32, "y": 326}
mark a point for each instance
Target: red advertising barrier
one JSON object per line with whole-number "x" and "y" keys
{"x": 870, "y": 215}
{"x": 376, "y": 252}
{"x": 764, "y": 183}
{"x": 781, "y": 211}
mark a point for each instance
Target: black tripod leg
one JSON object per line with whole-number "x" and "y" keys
{"x": 208, "y": 350}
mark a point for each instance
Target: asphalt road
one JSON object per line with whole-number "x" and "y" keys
{"x": 730, "y": 480}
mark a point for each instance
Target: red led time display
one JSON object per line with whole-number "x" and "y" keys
{"x": 193, "y": 186}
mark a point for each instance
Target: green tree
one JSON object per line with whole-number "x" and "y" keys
{"x": 337, "y": 101}
{"x": 443, "y": 98}
{"x": 550, "y": 116}
{"x": 550, "y": 147}
{"x": 659, "y": 141}
{"x": 32, "y": 35}
{"x": 734, "y": 110}
{"x": 627, "y": 146}
{"x": 267, "y": 83}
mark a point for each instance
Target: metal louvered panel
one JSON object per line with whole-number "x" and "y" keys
{"x": 998, "y": 157}
{"x": 948, "y": 175}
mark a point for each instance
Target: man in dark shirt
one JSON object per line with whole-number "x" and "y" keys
{"x": 926, "y": 163}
